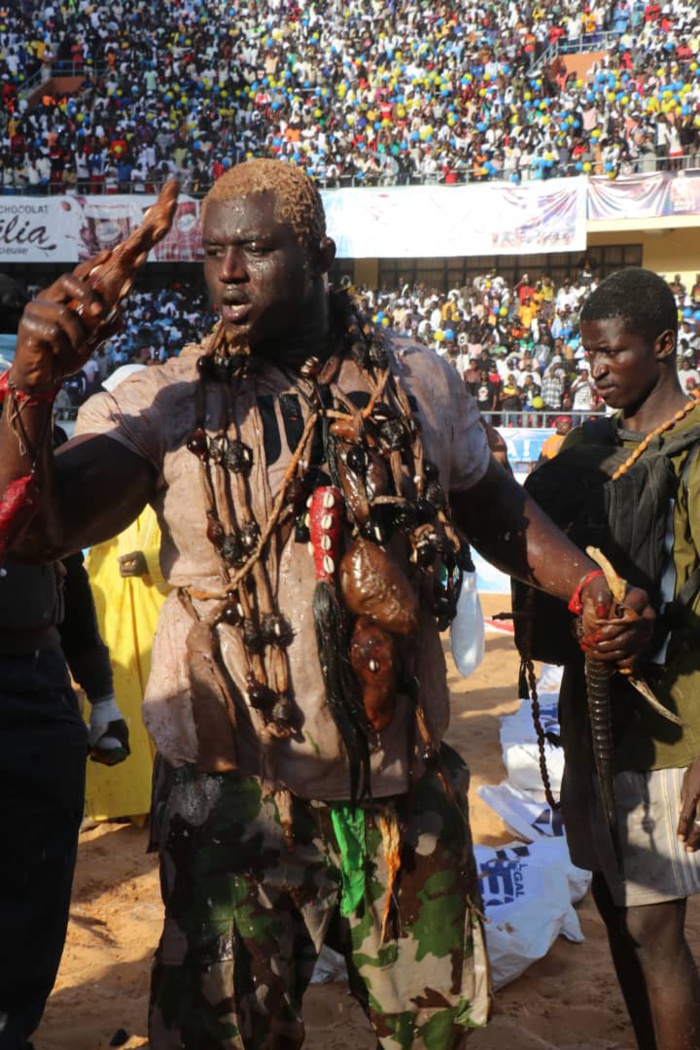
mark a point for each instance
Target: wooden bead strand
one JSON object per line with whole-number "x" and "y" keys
{"x": 644, "y": 445}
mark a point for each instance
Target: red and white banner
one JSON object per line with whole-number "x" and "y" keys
{"x": 492, "y": 218}
{"x": 482, "y": 219}
{"x": 658, "y": 194}
{"x": 397, "y": 222}
{"x": 70, "y": 228}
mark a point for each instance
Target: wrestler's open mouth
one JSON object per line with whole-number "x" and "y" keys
{"x": 234, "y": 312}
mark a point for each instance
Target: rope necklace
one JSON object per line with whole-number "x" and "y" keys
{"x": 644, "y": 445}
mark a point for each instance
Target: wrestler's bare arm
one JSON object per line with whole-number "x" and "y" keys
{"x": 510, "y": 530}
{"x": 98, "y": 487}
{"x": 94, "y": 487}
{"x": 102, "y": 487}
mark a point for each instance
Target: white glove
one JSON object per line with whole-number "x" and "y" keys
{"x": 108, "y": 733}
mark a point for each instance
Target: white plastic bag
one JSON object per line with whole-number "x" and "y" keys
{"x": 467, "y": 630}
{"x": 521, "y": 754}
{"x": 526, "y": 813}
{"x": 527, "y": 893}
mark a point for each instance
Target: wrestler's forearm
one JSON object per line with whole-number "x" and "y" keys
{"x": 91, "y": 495}
{"x": 510, "y": 530}
{"x": 88, "y": 491}
{"x": 25, "y": 457}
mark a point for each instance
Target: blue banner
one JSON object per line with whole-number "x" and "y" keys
{"x": 524, "y": 445}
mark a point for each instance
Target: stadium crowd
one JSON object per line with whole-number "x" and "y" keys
{"x": 516, "y": 346}
{"x": 355, "y": 91}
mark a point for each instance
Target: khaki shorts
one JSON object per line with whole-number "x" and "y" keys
{"x": 656, "y": 865}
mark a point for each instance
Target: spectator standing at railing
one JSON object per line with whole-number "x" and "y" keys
{"x": 679, "y": 290}
{"x": 531, "y": 397}
{"x": 486, "y": 392}
{"x": 582, "y": 392}
{"x": 527, "y": 313}
{"x": 688, "y": 333}
{"x": 472, "y": 375}
{"x": 563, "y": 324}
{"x": 548, "y": 295}
{"x": 695, "y": 292}
{"x": 567, "y": 296}
{"x": 510, "y": 402}
{"x": 553, "y": 385}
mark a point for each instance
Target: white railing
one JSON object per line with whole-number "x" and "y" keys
{"x": 13, "y": 184}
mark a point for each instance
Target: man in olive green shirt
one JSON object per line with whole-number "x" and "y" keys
{"x": 629, "y": 329}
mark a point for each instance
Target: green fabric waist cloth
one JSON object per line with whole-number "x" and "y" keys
{"x": 349, "y": 828}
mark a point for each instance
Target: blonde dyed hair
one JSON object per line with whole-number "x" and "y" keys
{"x": 297, "y": 200}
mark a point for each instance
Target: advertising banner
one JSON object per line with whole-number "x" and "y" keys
{"x": 492, "y": 218}
{"x": 396, "y": 222}
{"x": 479, "y": 219}
{"x": 70, "y": 228}
{"x": 649, "y": 196}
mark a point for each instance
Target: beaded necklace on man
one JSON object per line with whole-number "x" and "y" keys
{"x": 657, "y": 432}
{"x": 373, "y": 467}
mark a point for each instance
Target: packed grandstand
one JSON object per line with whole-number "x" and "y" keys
{"x": 355, "y": 91}
{"x": 115, "y": 98}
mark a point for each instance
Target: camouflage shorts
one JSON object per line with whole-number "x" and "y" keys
{"x": 247, "y": 914}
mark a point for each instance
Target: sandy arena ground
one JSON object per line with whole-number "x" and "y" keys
{"x": 569, "y": 1000}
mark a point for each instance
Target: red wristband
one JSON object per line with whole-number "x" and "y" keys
{"x": 43, "y": 395}
{"x": 575, "y": 602}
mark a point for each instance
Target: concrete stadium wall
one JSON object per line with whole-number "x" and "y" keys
{"x": 668, "y": 250}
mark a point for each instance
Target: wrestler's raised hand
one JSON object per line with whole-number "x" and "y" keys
{"x": 65, "y": 323}
{"x": 54, "y": 338}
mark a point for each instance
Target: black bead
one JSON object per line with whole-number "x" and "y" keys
{"x": 356, "y": 460}
{"x": 393, "y": 434}
{"x": 425, "y": 553}
{"x": 260, "y": 696}
{"x": 276, "y": 631}
{"x": 252, "y": 638}
{"x": 206, "y": 366}
{"x": 250, "y": 534}
{"x": 404, "y": 515}
{"x": 231, "y": 613}
{"x": 435, "y": 495}
{"x": 382, "y": 411}
{"x": 283, "y": 714}
{"x": 431, "y": 757}
{"x": 377, "y": 356}
{"x": 238, "y": 457}
{"x": 198, "y": 444}
{"x": 232, "y": 551}
{"x": 301, "y": 530}
{"x": 372, "y": 530}
{"x": 425, "y": 512}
